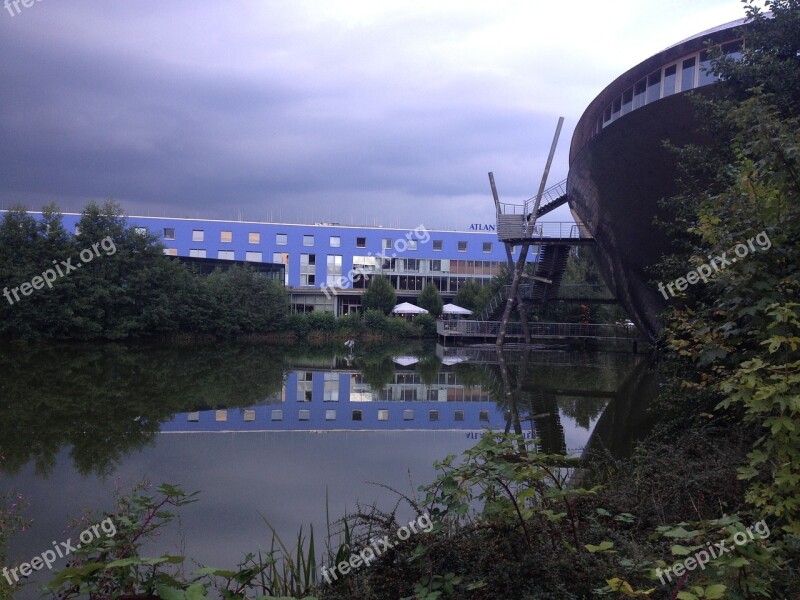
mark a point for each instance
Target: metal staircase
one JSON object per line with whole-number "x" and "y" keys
{"x": 494, "y": 309}
{"x": 552, "y": 198}
{"x": 544, "y": 287}
{"x": 549, "y": 272}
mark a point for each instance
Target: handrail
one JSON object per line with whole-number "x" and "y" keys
{"x": 538, "y": 330}
{"x": 551, "y": 194}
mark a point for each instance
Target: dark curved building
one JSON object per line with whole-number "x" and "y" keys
{"x": 620, "y": 169}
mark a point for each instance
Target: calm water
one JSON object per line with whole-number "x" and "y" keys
{"x": 262, "y": 430}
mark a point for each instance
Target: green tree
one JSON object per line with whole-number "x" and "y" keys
{"x": 470, "y": 296}
{"x": 740, "y": 332}
{"x": 380, "y": 295}
{"x": 430, "y": 299}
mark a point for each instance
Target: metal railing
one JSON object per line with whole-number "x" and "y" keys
{"x": 551, "y": 194}
{"x": 470, "y": 328}
{"x": 548, "y": 230}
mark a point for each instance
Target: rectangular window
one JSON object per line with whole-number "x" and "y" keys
{"x": 383, "y": 415}
{"x": 193, "y": 417}
{"x": 361, "y": 242}
{"x": 226, "y": 237}
{"x": 277, "y": 415}
{"x": 221, "y": 415}
{"x": 171, "y": 251}
{"x": 330, "y": 415}
{"x": 639, "y": 93}
{"x": 408, "y": 415}
{"x": 616, "y": 108}
{"x": 412, "y": 264}
{"x": 607, "y": 116}
{"x": 364, "y": 263}
{"x": 304, "y": 415}
{"x": 386, "y": 243}
{"x": 140, "y": 230}
{"x": 308, "y": 269}
{"x": 627, "y": 101}
{"x": 357, "y": 414}
{"x": 198, "y": 235}
{"x": 331, "y": 387}
{"x": 282, "y": 258}
{"x": 197, "y": 253}
{"x": 308, "y": 240}
{"x": 254, "y": 237}
{"x": 433, "y": 415}
{"x": 670, "y": 79}
{"x": 333, "y": 273}
{"x": 253, "y": 256}
{"x": 704, "y": 77}
{"x": 437, "y": 245}
{"x": 335, "y": 241}
{"x": 483, "y": 415}
{"x": 462, "y": 246}
{"x": 412, "y": 244}
{"x": 459, "y": 415}
{"x": 249, "y": 414}
{"x": 487, "y": 247}
{"x": 281, "y": 239}
{"x": 653, "y": 86}
{"x": 687, "y": 73}
{"x": 436, "y": 266}
{"x": 169, "y": 233}
{"x": 225, "y": 254}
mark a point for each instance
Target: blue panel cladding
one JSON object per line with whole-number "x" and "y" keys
{"x": 321, "y": 248}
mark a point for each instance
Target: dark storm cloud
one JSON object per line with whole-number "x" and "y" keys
{"x": 344, "y": 110}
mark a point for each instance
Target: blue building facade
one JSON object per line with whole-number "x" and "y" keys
{"x": 328, "y": 266}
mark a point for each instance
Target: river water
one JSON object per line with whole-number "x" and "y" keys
{"x": 280, "y": 434}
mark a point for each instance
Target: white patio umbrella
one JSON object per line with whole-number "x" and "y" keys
{"x": 452, "y": 360}
{"x": 406, "y": 308}
{"x": 405, "y": 361}
{"x": 452, "y": 309}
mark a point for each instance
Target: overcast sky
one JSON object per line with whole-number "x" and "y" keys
{"x": 379, "y": 112}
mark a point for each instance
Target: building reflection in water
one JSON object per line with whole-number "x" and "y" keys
{"x": 456, "y": 391}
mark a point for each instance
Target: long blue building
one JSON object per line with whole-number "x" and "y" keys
{"x": 327, "y": 265}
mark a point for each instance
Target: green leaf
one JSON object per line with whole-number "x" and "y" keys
{"x": 603, "y": 546}
{"x": 679, "y": 550}
{"x": 714, "y": 592}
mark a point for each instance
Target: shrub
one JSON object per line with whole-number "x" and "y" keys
{"x": 321, "y": 321}
{"x": 375, "y": 320}
{"x": 352, "y": 323}
{"x": 299, "y": 324}
{"x": 427, "y": 323}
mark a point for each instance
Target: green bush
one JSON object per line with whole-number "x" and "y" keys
{"x": 427, "y": 323}
{"x": 299, "y": 324}
{"x": 352, "y": 323}
{"x": 322, "y": 321}
{"x": 375, "y": 320}
{"x": 399, "y": 327}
